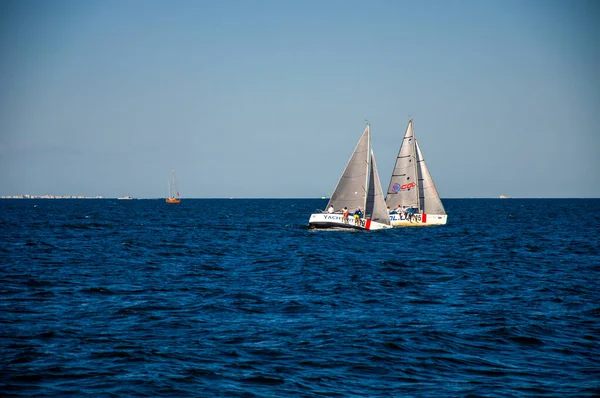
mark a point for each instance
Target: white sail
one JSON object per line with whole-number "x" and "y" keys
{"x": 376, "y": 208}
{"x": 429, "y": 198}
{"x": 351, "y": 189}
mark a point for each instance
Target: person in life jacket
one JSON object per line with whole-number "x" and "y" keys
{"x": 357, "y": 215}
{"x": 345, "y": 215}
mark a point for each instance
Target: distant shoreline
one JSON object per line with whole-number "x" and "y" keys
{"x": 51, "y": 197}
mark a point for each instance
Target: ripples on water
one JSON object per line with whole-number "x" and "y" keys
{"x": 239, "y": 298}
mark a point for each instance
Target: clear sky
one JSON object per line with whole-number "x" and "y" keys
{"x": 256, "y": 98}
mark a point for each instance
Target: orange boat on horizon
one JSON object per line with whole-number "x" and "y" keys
{"x": 172, "y": 191}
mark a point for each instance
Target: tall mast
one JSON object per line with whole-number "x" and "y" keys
{"x": 175, "y": 190}
{"x": 414, "y": 156}
{"x": 368, "y": 168}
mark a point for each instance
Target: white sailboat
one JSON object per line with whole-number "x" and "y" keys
{"x": 411, "y": 187}
{"x": 172, "y": 191}
{"x": 358, "y": 188}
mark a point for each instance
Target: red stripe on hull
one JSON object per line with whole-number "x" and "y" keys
{"x": 368, "y": 224}
{"x": 424, "y": 218}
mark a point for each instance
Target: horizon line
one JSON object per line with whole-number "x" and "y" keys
{"x": 99, "y": 197}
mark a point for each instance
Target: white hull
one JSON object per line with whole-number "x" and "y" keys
{"x": 326, "y": 220}
{"x": 418, "y": 220}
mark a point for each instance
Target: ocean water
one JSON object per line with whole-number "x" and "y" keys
{"x": 238, "y": 298}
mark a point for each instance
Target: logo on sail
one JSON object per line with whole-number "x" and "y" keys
{"x": 407, "y": 187}
{"x": 396, "y": 188}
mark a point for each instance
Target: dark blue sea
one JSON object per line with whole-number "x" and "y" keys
{"x": 238, "y": 298}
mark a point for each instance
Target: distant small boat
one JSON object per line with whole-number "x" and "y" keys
{"x": 126, "y": 197}
{"x": 172, "y": 190}
{"x": 504, "y": 197}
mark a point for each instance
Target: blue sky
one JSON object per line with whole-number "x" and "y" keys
{"x": 268, "y": 98}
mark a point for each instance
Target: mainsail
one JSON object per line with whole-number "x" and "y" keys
{"x": 411, "y": 184}
{"x": 351, "y": 189}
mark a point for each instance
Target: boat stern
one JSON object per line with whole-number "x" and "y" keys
{"x": 418, "y": 220}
